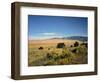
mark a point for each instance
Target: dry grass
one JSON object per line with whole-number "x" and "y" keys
{"x": 50, "y": 42}
{"x": 51, "y": 55}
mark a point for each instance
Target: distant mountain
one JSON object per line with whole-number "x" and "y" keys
{"x": 81, "y": 38}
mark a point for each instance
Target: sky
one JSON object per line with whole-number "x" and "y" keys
{"x": 46, "y": 27}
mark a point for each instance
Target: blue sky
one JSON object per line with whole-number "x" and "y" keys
{"x": 45, "y": 27}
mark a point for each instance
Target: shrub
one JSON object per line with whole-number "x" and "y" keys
{"x": 49, "y": 63}
{"x": 60, "y": 45}
{"x": 74, "y": 50}
{"x": 85, "y": 44}
{"x": 40, "y": 48}
{"x": 61, "y": 62}
{"x": 48, "y": 48}
{"x": 49, "y": 56}
{"x": 56, "y": 58}
{"x": 82, "y": 50}
{"x": 76, "y": 44}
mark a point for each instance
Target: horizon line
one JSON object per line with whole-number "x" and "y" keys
{"x": 46, "y": 38}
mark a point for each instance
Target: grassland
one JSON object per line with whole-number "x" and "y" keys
{"x": 46, "y": 52}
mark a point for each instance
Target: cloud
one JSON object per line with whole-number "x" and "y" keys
{"x": 46, "y": 35}
{"x": 49, "y": 34}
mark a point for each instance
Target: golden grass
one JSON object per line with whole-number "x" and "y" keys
{"x": 51, "y": 42}
{"x": 51, "y": 55}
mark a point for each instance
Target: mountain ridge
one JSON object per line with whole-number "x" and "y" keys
{"x": 80, "y": 38}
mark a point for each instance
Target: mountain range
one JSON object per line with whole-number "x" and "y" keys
{"x": 80, "y": 38}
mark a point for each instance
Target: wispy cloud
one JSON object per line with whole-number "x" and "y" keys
{"x": 49, "y": 34}
{"x": 46, "y": 35}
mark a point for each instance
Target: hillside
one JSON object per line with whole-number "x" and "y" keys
{"x": 80, "y": 38}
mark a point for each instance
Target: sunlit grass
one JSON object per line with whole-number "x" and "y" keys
{"x": 52, "y": 55}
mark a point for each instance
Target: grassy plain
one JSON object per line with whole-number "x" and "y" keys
{"x": 46, "y": 52}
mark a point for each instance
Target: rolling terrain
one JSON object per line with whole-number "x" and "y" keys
{"x": 56, "y": 51}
